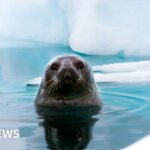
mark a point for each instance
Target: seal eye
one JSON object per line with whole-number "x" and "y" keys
{"x": 54, "y": 66}
{"x": 79, "y": 65}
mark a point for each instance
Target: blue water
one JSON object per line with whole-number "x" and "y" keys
{"x": 124, "y": 119}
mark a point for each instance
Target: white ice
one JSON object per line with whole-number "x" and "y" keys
{"x": 142, "y": 144}
{"x": 32, "y": 20}
{"x": 124, "y": 67}
{"x": 35, "y": 81}
{"x": 130, "y": 72}
{"x": 127, "y": 77}
{"x": 108, "y": 26}
{"x": 88, "y": 26}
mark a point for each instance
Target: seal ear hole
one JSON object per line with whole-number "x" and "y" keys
{"x": 54, "y": 66}
{"x": 79, "y": 65}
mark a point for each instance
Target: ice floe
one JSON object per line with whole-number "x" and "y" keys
{"x": 130, "y": 72}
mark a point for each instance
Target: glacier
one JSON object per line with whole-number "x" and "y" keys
{"x": 103, "y": 27}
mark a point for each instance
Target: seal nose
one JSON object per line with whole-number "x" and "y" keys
{"x": 67, "y": 74}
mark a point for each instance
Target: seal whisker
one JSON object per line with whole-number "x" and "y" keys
{"x": 47, "y": 89}
{"x": 49, "y": 81}
{"x": 51, "y": 88}
{"x": 56, "y": 84}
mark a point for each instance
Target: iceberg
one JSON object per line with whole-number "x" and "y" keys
{"x": 36, "y": 20}
{"x": 103, "y": 27}
{"x": 107, "y": 27}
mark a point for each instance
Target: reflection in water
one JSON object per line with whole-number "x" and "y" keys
{"x": 68, "y": 128}
{"x": 67, "y": 111}
{"x": 126, "y": 113}
{"x": 72, "y": 134}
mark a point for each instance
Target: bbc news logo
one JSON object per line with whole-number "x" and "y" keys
{"x": 9, "y": 133}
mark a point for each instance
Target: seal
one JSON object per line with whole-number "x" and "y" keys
{"x": 68, "y": 81}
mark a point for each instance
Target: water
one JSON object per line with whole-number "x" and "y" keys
{"x": 124, "y": 119}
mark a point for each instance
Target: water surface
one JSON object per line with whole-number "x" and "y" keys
{"x": 124, "y": 119}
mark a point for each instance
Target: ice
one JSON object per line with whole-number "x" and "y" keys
{"x": 126, "y": 77}
{"x": 138, "y": 72}
{"x": 35, "y": 81}
{"x": 108, "y": 26}
{"x": 103, "y": 27}
{"x": 142, "y": 144}
{"x": 124, "y": 67}
{"x": 34, "y": 20}
{"x": 129, "y": 72}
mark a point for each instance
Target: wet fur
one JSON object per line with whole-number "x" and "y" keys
{"x": 55, "y": 92}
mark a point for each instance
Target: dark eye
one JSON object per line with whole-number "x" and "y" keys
{"x": 79, "y": 65}
{"x": 54, "y": 66}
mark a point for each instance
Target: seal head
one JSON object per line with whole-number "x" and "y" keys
{"x": 68, "y": 80}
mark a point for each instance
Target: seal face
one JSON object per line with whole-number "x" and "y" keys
{"x": 68, "y": 81}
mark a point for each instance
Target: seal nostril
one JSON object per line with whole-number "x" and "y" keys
{"x": 67, "y": 74}
{"x": 79, "y": 65}
{"x": 54, "y": 66}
